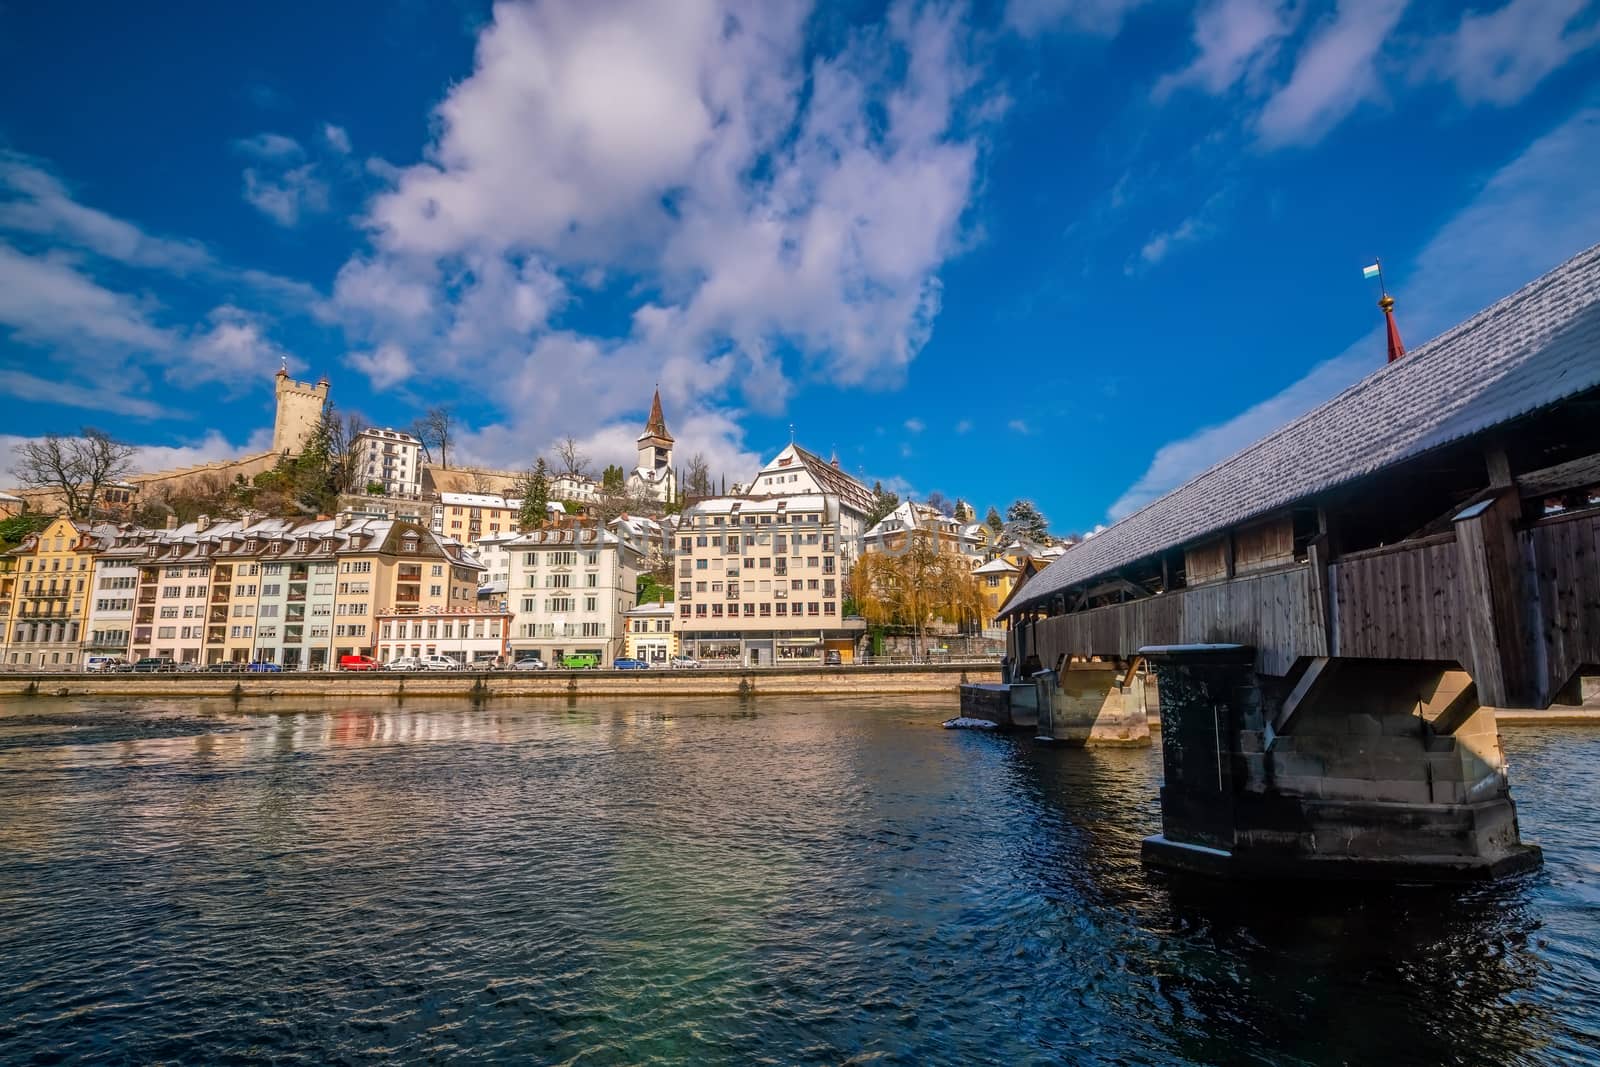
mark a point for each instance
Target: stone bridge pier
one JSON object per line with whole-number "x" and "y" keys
{"x": 1095, "y": 704}
{"x": 1347, "y": 768}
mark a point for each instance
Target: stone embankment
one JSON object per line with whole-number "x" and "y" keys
{"x": 897, "y": 680}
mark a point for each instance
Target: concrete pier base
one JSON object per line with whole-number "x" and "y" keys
{"x": 1364, "y": 769}
{"x": 1094, "y": 704}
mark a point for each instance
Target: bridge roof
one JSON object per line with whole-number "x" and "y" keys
{"x": 1535, "y": 347}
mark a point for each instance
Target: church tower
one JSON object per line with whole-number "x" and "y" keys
{"x": 655, "y": 444}
{"x": 299, "y": 411}
{"x": 654, "y": 476}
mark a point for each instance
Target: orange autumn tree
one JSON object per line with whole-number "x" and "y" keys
{"x": 915, "y": 586}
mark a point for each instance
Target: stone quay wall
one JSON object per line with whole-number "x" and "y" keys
{"x": 889, "y": 680}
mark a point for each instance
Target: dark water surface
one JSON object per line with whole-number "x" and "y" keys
{"x": 694, "y": 882}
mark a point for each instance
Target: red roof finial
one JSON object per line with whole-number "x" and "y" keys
{"x": 1397, "y": 347}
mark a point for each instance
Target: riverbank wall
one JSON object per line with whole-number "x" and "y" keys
{"x": 886, "y": 680}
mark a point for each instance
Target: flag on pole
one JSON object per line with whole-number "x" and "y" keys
{"x": 1370, "y": 272}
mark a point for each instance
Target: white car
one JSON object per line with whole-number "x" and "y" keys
{"x": 102, "y": 663}
{"x": 680, "y": 662}
{"x": 440, "y": 663}
{"x": 530, "y": 663}
{"x": 403, "y": 663}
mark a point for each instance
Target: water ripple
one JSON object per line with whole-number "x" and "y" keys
{"x": 694, "y": 882}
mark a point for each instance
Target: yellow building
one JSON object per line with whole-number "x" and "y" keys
{"x": 996, "y": 579}
{"x": 651, "y": 635}
{"x": 49, "y": 599}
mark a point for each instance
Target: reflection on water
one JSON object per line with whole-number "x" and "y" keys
{"x": 708, "y": 882}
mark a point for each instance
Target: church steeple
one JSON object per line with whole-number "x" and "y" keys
{"x": 657, "y": 426}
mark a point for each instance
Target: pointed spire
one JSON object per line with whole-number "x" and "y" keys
{"x": 1397, "y": 347}
{"x": 657, "y": 426}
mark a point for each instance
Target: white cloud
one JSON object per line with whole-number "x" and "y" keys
{"x": 915, "y": 425}
{"x": 47, "y": 300}
{"x": 287, "y": 196}
{"x": 22, "y": 387}
{"x": 1335, "y": 72}
{"x": 1018, "y": 426}
{"x": 1534, "y": 212}
{"x": 271, "y": 146}
{"x": 964, "y": 426}
{"x": 232, "y": 349}
{"x": 386, "y": 366}
{"x": 1499, "y": 56}
{"x": 773, "y": 219}
{"x": 1236, "y": 38}
{"x": 336, "y": 138}
{"x": 1033, "y": 17}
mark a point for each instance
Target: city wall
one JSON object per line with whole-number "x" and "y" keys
{"x": 935, "y": 680}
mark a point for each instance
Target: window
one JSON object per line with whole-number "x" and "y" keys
{"x": 699, "y": 611}
{"x": 563, "y": 559}
{"x": 558, "y": 581}
{"x": 591, "y": 580}
{"x": 594, "y": 629}
{"x": 166, "y": 633}
{"x": 435, "y": 590}
{"x": 271, "y": 589}
{"x": 268, "y": 611}
{"x": 558, "y": 603}
{"x": 591, "y": 603}
{"x": 171, "y": 592}
{"x": 169, "y": 613}
{"x": 438, "y": 570}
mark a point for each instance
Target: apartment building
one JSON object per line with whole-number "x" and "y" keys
{"x": 468, "y": 635}
{"x": 761, "y": 580}
{"x": 113, "y": 583}
{"x": 391, "y": 459}
{"x": 570, "y": 588}
{"x": 795, "y": 471}
{"x": 50, "y": 594}
{"x": 894, "y": 532}
{"x": 468, "y": 517}
{"x": 171, "y": 602}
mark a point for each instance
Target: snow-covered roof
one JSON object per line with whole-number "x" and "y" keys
{"x": 997, "y": 566}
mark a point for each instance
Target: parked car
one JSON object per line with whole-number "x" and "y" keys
{"x": 831, "y": 658}
{"x": 681, "y": 662}
{"x": 403, "y": 663}
{"x": 155, "y": 665}
{"x": 528, "y": 663}
{"x": 440, "y": 663}
{"x": 626, "y": 664}
{"x": 262, "y": 666}
{"x": 226, "y": 666}
{"x": 358, "y": 663}
{"x": 102, "y": 663}
{"x": 580, "y": 661}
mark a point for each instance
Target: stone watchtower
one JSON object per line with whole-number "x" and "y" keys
{"x": 299, "y": 411}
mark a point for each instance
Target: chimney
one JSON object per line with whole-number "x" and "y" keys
{"x": 172, "y": 522}
{"x": 341, "y": 520}
{"x": 202, "y": 523}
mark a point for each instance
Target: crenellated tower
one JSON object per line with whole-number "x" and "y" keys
{"x": 300, "y": 407}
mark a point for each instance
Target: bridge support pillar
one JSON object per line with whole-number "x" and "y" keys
{"x": 1366, "y": 769}
{"x": 1094, "y": 704}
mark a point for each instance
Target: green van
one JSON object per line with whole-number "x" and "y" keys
{"x": 580, "y": 661}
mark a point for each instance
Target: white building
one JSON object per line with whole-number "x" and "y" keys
{"x": 653, "y": 478}
{"x": 390, "y": 458}
{"x": 574, "y": 487}
{"x": 893, "y": 531}
{"x": 798, "y": 472}
{"x": 569, "y": 589}
{"x": 116, "y": 582}
{"x": 466, "y": 635}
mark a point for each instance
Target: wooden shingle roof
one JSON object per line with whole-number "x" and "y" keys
{"x": 1532, "y": 349}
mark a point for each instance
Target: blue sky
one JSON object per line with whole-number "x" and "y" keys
{"x": 1075, "y": 250}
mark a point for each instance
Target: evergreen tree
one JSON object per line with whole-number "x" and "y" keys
{"x": 994, "y": 521}
{"x": 964, "y": 512}
{"x": 612, "y": 478}
{"x": 535, "y": 491}
{"x": 1025, "y": 518}
{"x": 883, "y": 502}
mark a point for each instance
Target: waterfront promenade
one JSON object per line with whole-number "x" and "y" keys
{"x": 892, "y": 679}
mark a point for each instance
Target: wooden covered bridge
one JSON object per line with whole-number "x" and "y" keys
{"x": 1420, "y": 546}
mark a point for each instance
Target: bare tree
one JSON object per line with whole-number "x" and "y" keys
{"x": 570, "y": 459}
{"x": 941, "y": 503}
{"x": 436, "y": 429}
{"x": 79, "y": 468}
{"x": 483, "y": 483}
{"x": 343, "y": 460}
{"x": 697, "y": 480}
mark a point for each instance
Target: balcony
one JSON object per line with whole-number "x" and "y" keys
{"x": 219, "y": 595}
{"x": 216, "y": 635}
{"x": 147, "y": 596}
{"x": 219, "y": 614}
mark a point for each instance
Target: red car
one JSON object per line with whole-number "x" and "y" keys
{"x": 359, "y": 663}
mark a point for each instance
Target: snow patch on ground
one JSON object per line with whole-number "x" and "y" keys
{"x": 964, "y": 723}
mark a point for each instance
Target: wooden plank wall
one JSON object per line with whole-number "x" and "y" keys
{"x": 1403, "y": 602}
{"x": 1566, "y": 560}
{"x": 1275, "y": 612}
{"x": 1264, "y": 545}
{"x": 1206, "y": 562}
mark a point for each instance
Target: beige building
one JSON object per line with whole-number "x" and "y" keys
{"x": 571, "y": 587}
{"x": 651, "y": 633}
{"x": 468, "y": 635}
{"x": 761, "y": 581}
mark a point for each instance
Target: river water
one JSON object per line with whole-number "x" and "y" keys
{"x": 700, "y": 882}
